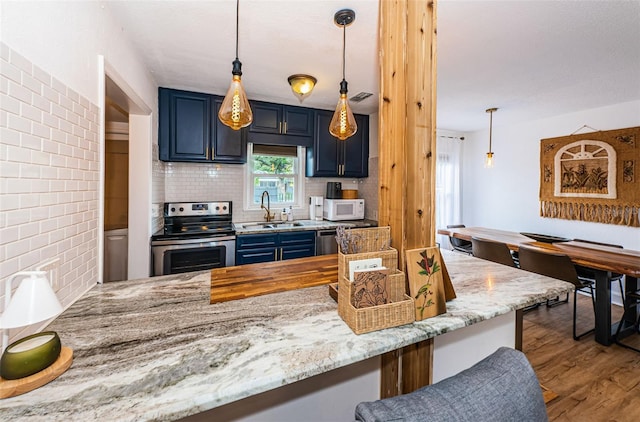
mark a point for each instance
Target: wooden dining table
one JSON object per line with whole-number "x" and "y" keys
{"x": 604, "y": 260}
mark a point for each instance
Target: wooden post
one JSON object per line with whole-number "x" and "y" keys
{"x": 406, "y": 143}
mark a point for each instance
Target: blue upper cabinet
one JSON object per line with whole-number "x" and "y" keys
{"x": 229, "y": 146}
{"x": 331, "y": 157}
{"x": 189, "y": 130}
{"x": 278, "y": 124}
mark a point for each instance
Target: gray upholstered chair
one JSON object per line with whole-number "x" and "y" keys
{"x": 501, "y": 387}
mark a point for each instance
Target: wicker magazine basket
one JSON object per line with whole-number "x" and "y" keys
{"x": 374, "y": 243}
{"x": 400, "y": 311}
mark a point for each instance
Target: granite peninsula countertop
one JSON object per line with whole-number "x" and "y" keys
{"x": 155, "y": 349}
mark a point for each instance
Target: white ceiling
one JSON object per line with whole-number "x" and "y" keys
{"x": 531, "y": 59}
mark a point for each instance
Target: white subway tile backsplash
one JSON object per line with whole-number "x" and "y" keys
{"x": 59, "y": 86}
{"x": 18, "y": 154}
{"x": 30, "y": 112}
{"x": 59, "y": 111}
{"x": 50, "y": 94}
{"x": 31, "y": 83}
{"x": 41, "y": 75}
{"x": 19, "y": 92}
{"x": 25, "y": 65}
{"x": 9, "y": 170}
{"x": 5, "y": 52}
{"x": 10, "y": 71}
{"x": 18, "y": 123}
{"x": 42, "y": 103}
{"x": 40, "y": 130}
{"x": 9, "y": 104}
{"x": 9, "y": 136}
{"x": 49, "y": 168}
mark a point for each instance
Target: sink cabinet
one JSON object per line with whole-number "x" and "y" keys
{"x": 189, "y": 130}
{"x": 267, "y": 247}
{"x": 279, "y": 124}
{"x": 331, "y": 157}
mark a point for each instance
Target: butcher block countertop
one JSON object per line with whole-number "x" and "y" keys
{"x": 250, "y": 280}
{"x": 157, "y": 349}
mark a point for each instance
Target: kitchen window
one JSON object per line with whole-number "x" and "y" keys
{"x": 277, "y": 170}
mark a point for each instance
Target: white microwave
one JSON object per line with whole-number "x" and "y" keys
{"x": 343, "y": 209}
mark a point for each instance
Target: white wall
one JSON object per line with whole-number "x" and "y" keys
{"x": 506, "y": 196}
{"x": 50, "y": 120}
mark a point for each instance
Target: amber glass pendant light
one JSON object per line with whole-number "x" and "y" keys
{"x": 343, "y": 124}
{"x": 488, "y": 162}
{"x": 235, "y": 111}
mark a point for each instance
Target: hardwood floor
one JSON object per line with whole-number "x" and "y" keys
{"x": 594, "y": 382}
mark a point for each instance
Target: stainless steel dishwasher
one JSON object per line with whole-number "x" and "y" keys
{"x": 326, "y": 242}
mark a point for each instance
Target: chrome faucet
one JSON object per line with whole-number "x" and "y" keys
{"x": 269, "y": 216}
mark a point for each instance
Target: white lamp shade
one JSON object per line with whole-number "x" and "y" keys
{"x": 33, "y": 302}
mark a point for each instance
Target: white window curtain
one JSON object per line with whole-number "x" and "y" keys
{"x": 448, "y": 185}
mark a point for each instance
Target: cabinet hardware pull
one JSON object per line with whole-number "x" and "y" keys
{"x": 275, "y": 258}
{"x": 279, "y": 127}
{"x": 285, "y": 127}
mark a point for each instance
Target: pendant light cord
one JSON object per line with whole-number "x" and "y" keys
{"x": 490, "y": 128}
{"x": 237, "y": 24}
{"x": 344, "y": 48}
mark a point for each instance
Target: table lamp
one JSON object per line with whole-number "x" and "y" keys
{"x": 37, "y": 359}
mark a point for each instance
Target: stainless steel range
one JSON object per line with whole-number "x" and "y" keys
{"x": 196, "y": 236}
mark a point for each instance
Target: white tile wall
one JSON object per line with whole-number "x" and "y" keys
{"x": 225, "y": 182}
{"x": 157, "y": 190}
{"x": 49, "y": 162}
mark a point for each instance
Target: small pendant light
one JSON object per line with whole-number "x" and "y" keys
{"x": 488, "y": 163}
{"x": 343, "y": 124}
{"x": 235, "y": 111}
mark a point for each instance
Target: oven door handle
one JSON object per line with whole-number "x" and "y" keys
{"x": 199, "y": 241}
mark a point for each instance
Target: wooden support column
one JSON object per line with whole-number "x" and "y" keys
{"x": 406, "y": 142}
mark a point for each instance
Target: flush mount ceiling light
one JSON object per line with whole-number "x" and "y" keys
{"x": 343, "y": 124}
{"x": 302, "y": 85}
{"x": 488, "y": 163}
{"x": 235, "y": 111}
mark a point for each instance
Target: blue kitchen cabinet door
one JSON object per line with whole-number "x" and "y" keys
{"x": 355, "y": 155}
{"x": 229, "y": 146}
{"x": 185, "y": 125}
{"x": 331, "y": 157}
{"x": 253, "y": 256}
{"x": 279, "y": 124}
{"x": 297, "y": 244}
{"x": 190, "y": 131}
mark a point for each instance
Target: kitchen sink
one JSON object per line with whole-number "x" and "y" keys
{"x": 272, "y": 225}
{"x": 285, "y": 225}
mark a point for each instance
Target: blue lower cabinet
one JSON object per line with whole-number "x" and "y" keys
{"x": 252, "y": 256}
{"x": 254, "y": 248}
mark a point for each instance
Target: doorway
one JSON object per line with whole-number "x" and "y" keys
{"x": 116, "y": 186}
{"x": 124, "y": 212}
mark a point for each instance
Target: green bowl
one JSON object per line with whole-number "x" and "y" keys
{"x": 30, "y": 355}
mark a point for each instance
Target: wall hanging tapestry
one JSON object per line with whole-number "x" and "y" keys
{"x": 591, "y": 177}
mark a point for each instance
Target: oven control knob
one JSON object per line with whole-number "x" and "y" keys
{"x": 181, "y": 209}
{"x": 224, "y": 208}
{"x": 217, "y": 208}
{"x": 173, "y": 209}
